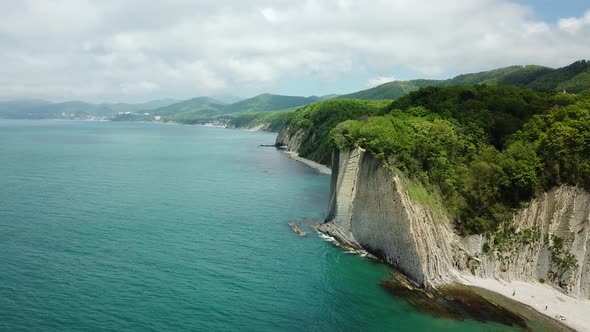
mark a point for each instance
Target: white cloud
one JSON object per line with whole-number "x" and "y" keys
{"x": 574, "y": 24}
{"x": 132, "y": 88}
{"x": 374, "y": 81}
{"x": 136, "y": 49}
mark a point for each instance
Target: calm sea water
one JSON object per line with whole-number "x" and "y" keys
{"x": 145, "y": 227}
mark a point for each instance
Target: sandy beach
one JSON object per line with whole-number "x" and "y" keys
{"x": 536, "y": 295}
{"x": 321, "y": 168}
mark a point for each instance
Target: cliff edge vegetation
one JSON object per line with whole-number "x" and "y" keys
{"x": 484, "y": 150}
{"x": 307, "y": 130}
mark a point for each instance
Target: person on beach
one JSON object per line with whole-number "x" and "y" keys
{"x": 513, "y": 293}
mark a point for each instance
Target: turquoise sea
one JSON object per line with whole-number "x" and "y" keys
{"x": 110, "y": 226}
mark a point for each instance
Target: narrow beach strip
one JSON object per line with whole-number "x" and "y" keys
{"x": 321, "y": 168}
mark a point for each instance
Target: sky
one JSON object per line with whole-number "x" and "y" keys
{"x": 138, "y": 50}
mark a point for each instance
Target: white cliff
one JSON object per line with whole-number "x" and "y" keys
{"x": 371, "y": 209}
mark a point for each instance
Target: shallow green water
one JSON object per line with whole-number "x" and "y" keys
{"x": 132, "y": 226}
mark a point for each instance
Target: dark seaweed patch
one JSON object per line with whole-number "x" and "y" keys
{"x": 454, "y": 302}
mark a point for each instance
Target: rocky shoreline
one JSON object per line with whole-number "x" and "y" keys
{"x": 501, "y": 308}
{"x": 317, "y": 166}
{"x": 426, "y": 251}
{"x": 564, "y": 309}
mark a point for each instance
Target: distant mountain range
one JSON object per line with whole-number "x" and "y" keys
{"x": 41, "y": 109}
{"x": 203, "y": 109}
{"x": 574, "y": 78}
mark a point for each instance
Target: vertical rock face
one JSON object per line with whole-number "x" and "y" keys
{"x": 371, "y": 209}
{"x": 562, "y": 213}
{"x": 290, "y": 139}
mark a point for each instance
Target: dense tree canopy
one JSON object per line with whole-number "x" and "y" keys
{"x": 318, "y": 119}
{"x": 484, "y": 150}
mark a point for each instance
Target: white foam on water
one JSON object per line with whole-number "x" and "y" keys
{"x": 327, "y": 237}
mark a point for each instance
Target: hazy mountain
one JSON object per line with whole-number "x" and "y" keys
{"x": 202, "y": 109}
{"x": 150, "y": 105}
{"x": 189, "y": 111}
{"x": 41, "y": 109}
{"x": 227, "y": 99}
{"x": 10, "y": 107}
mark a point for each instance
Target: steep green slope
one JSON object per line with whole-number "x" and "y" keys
{"x": 270, "y": 121}
{"x": 575, "y": 78}
{"x": 316, "y": 120}
{"x": 495, "y": 76}
{"x": 523, "y": 76}
{"x": 269, "y": 102}
{"x": 391, "y": 90}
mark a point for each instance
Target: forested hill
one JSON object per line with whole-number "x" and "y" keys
{"x": 574, "y": 78}
{"x": 269, "y": 102}
{"x": 479, "y": 151}
{"x": 204, "y": 109}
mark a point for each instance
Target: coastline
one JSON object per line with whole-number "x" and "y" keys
{"x": 317, "y": 166}
{"x": 530, "y": 295}
{"x": 294, "y": 155}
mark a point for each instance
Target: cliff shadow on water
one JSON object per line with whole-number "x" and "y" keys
{"x": 461, "y": 302}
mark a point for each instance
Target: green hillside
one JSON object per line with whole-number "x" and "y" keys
{"x": 190, "y": 111}
{"x": 318, "y": 119}
{"x": 575, "y": 78}
{"x": 269, "y": 102}
{"x": 391, "y": 90}
{"x": 204, "y": 109}
{"x": 271, "y": 120}
{"x": 199, "y": 104}
{"x": 494, "y": 76}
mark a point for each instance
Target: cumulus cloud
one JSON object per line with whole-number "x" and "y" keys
{"x": 137, "y": 50}
{"x": 374, "y": 81}
{"x": 573, "y": 25}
